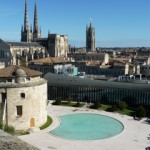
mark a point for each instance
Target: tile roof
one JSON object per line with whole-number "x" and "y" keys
{"x": 50, "y": 60}
{"x": 8, "y": 71}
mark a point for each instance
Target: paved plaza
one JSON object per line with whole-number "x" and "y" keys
{"x": 136, "y": 134}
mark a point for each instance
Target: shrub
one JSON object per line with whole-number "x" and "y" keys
{"x": 96, "y": 104}
{"x": 9, "y": 129}
{"x": 69, "y": 99}
{"x": 1, "y": 125}
{"x": 78, "y": 104}
{"x": 113, "y": 108}
{"x": 140, "y": 112}
{"x": 122, "y": 105}
{"x": 57, "y": 101}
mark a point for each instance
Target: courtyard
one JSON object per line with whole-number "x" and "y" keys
{"x": 135, "y": 136}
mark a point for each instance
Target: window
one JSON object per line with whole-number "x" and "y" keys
{"x": 22, "y": 95}
{"x": 19, "y": 110}
{"x": 9, "y": 80}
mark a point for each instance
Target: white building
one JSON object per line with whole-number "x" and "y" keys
{"x": 23, "y": 94}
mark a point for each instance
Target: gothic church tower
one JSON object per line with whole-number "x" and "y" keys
{"x": 36, "y": 30}
{"x": 90, "y": 38}
{"x": 26, "y": 31}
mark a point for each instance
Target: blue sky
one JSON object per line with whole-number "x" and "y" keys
{"x": 118, "y": 23}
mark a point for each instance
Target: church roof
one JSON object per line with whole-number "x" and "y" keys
{"x": 35, "y": 44}
{"x": 10, "y": 71}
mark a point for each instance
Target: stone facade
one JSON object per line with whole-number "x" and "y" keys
{"x": 56, "y": 44}
{"x": 58, "y": 65}
{"x": 25, "y": 96}
{"x": 90, "y": 38}
{"x": 15, "y": 53}
{"x": 102, "y": 57}
{"x": 27, "y": 35}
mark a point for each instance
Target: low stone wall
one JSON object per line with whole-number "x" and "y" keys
{"x": 13, "y": 143}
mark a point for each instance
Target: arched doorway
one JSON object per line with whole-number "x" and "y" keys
{"x": 32, "y": 122}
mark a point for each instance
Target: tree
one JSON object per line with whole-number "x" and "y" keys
{"x": 57, "y": 101}
{"x": 69, "y": 99}
{"x": 113, "y": 108}
{"x": 78, "y": 104}
{"x": 96, "y": 104}
{"x": 140, "y": 112}
{"x": 122, "y": 105}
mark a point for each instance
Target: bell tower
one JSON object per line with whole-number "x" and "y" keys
{"x": 90, "y": 38}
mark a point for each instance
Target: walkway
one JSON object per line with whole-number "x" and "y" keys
{"x": 136, "y": 135}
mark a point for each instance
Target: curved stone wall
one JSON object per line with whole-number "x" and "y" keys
{"x": 26, "y": 105}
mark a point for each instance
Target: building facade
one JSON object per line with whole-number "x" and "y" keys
{"x": 23, "y": 95}
{"x": 88, "y": 90}
{"x": 19, "y": 53}
{"x": 56, "y": 65}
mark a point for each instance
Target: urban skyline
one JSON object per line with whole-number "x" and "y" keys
{"x": 117, "y": 23}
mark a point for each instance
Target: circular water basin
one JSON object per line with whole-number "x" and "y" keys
{"x": 86, "y": 126}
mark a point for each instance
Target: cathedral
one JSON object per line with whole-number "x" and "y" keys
{"x": 90, "y": 38}
{"x": 32, "y": 45}
{"x": 27, "y": 35}
{"x": 56, "y": 45}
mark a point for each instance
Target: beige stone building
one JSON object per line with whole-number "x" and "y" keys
{"x": 15, "y": 53}
{"x": 23, "y": 95}
{"x": 102, "y": 57}
{"x": 56, "y": 44}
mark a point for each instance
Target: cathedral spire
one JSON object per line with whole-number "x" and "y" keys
{"x": 26, "y": 19}
{"x": 90, "y": 22}
{"x": 26, "y": 34}
{"x": 36, "y": 30}
{"x": 35, "y": 19}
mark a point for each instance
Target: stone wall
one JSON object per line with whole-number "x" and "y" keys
{"x": 13, "y": 143}
{"x": 33, "y": 106}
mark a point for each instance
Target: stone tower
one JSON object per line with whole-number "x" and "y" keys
{"x": 26, "y": 31}
{"x": 90, "y": 38}
{"x": 36, "y": 30}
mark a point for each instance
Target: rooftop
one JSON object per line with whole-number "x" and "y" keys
{"x": 10, "y": 70}
{"x": 56, "y": 79}
{"x": 34, "y": 44}
{"x": 51, "y": 60}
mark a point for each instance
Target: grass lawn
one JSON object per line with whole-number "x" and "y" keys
{"x": 128, "y": 112}
{"x": 105, "y": 107}
{"x": 47, "y": 124}
{"x": 71, "y": 104}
